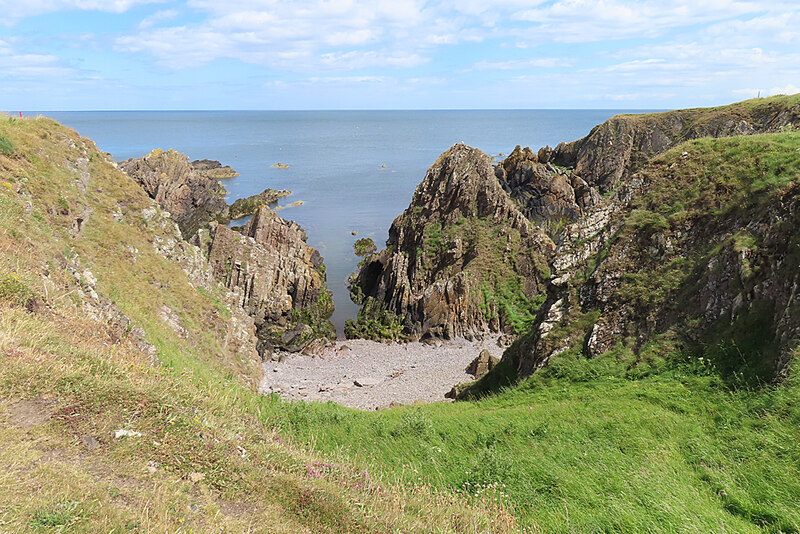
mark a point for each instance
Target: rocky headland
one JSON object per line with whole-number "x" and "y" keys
{"x": 266, "y": 266}
{"x": 645, "y": 232}
{"x": 461, "y": 260}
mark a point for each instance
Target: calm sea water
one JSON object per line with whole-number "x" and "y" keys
{"x": 336, "y": 159}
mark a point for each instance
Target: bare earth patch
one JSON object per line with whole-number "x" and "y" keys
{"x": 368, "y": 375}
{"x": 29, "y": 413}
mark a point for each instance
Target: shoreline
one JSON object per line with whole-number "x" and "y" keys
{"x": 368, "y": 375}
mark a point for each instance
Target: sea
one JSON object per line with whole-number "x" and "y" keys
{"x": 354, "y": 171}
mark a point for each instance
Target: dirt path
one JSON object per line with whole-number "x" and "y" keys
{"x": 368, "y": 375}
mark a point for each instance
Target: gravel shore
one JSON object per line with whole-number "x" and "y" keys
{"x": 368, "y": 375}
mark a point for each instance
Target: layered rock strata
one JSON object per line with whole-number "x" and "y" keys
{"x": 585, "y": 195}
{"x": 279, "y": 280}
{"x": 689, "y": 253}
{"x": 269, "y": 271}
{"x": 192, "y": 198}
{"x": 461, "y": 260}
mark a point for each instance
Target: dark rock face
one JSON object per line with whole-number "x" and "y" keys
{"x": 542, "y": 191}
{"x": 448, "y": 253}
{"x": 191, "y": 197}
{"x": 279, "y": 280}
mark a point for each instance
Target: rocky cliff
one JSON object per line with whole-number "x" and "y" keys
{"x": 697, "y": 254}
{"x": 277, "y": 278}
{"x": 270, "y": 271}
{"x": 644, "y": 251}
{"x": 462, "y": 259}
{"x": 558, "y": 185}
{"x": 615, "y": 149}
{"x": 188, "y": 194}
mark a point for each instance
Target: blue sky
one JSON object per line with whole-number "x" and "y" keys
{"x": 398, "y": 54}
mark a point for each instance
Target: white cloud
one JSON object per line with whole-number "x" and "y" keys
{"x": 19, "y": 65}
{"x": 158, "y": 17}
{"x": 787, "y": 90}
{"x": 577, "y": 21}
{"x": 15, "y": 10}
{"x": 523, "y": 64}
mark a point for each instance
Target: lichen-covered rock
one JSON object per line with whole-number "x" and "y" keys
{"x": 462, "y": 259}
{"x": 192, "y": 198}
{"x": 243, "y": 207}
{"x": 277, "y": 278}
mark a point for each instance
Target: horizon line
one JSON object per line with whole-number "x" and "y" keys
{"x": 324, "y": 110}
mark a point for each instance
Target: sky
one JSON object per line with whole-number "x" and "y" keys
{"x": 394, "y": 54}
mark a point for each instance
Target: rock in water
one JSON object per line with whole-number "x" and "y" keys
{"x": 461, "y": 259}
{"x": 482, "y": 364}
{"x": 191, "y": 197}
{"x": 248, "y": 206}
{"x": 214, "y": 169}
{"x": 278, "y": 278}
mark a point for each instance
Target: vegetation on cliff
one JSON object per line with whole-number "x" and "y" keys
{"x": 127, "y": 396}
{"x": 461, "y": 260}
{"x": 667, "y": 425}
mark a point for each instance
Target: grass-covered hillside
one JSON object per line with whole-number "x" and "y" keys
{"x": 679, "y": 425}
{"x": 126, "y": 400}
{"x": 661, "y": 441}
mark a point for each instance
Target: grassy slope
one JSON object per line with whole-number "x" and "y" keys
{"x": 655, "y": 441}
{"x": 209, "y": 457}
{"x": 581, "y": 447}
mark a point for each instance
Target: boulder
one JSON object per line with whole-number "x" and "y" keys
{"x": 482, "y": 364}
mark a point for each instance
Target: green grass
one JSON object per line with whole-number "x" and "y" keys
{"x": 6, "y": 148}
{"x": 651, "y": 441}
{"x": 60, "y": 515}
{"x": 677, "y": 451}
{"x": 210, "y": 457}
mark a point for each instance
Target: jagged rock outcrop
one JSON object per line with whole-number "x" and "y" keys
{"x": 542, "y": 191}
{"x": 462, "y": 259}
{"x": 699, "y": 249}
{"x": 563, "y": 183}
{"x": 192, "y": 198}
{"x": 278, "y": 279}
